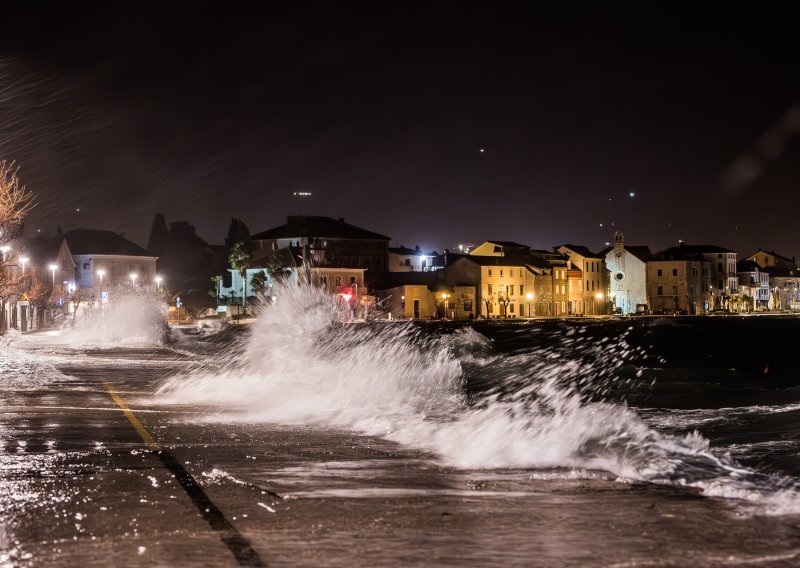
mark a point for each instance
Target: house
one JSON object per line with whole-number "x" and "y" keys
{"x": 324, "y": 242}
{"x": 767, "y": 259}
{"x": 679, "y": 281}
{"x": 784, "y": 279}
{"x": 627, "y": 268}
{"x": 724, "y": 278}
{"x": 404, "y": 259}
{"x": 594, "y": 287}
{"x": 753, "y": 286}
{"x": 261, "y": 279}
{"x": 106, "y": 259}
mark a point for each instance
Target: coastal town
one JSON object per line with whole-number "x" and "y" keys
{"x": 74, "y": 273}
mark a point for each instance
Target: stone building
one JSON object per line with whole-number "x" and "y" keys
{"x": 627, "y": 268}
{"x": 679, "y": 281}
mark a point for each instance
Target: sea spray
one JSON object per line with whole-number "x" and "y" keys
{"x": 302, "y": 365}
{"x": 130, "y": 318}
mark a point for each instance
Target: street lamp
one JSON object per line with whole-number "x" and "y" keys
{"x": 444, "y": 303}
{"x": 23, "y": 260}
{"x": 133, "y": 277}
{"x": 53, "y": 268}
{"x": 529, "y": 297}
{"x": 4, "y": 249}
{"x": 599, "y": 297}
{"x": 101, "y": 273}
{"x": 158, "y": 282}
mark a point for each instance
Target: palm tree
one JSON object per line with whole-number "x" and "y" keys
{"x": 239, "y": 259}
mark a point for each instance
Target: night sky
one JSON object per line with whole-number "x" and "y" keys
{"x": 381, "y": 111}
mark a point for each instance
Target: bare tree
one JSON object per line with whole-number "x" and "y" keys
{"x": 15, "y": 202}
{"x": 488, "y": 299}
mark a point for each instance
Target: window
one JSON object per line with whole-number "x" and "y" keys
{"x": 338, "y": 280}
{"x": 490, "y": 273}
{"x": 352, "y": 280}
{"x": 511, "y": 290}
{"x": 511, "y": 273}
{"x": 674, "y": 271}
{"x": 511, "y": 308}
{"x": 489, "y": 287}
{"x": 719, "y": 267}
{"x": 86, "y": 266}
{"x": 660, "y": 290}
{"x": 406, "y": 262}
{"x": 521, "y": 289}
{"x": 468, "y": 305}
{"x": 501, "y": 272}
{"x": 674, "y": 290}
{"x": 660, "y": 272}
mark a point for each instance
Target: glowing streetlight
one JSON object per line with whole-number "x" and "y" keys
{"x": 444, "y": 303}
{"x": 133, "y": 277}
{"x": 23, "y": 260}
{"x": 101, "y": 273}
{"x": 53, "y": 268}
{"x": 599, "y": 296}
{"x": 158, "y": 282}
{"x": 529, "y": 297}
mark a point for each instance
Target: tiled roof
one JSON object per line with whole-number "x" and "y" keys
{"x": 314, "y": 226}
{"x": 581, "y": 250}
{"x": 92, "y": 241}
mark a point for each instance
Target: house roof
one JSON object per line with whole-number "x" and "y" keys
{"x": 782, "y": 272}
{"x": 581, "y": 250}
{"x": 508, "y": 244}
{"x": 405, "y": 251}
{"x": 641, "y": 252}
{"x": 703, "y": 249}
{"x": 315, "y": 226}
{"x": 748, "y": 266}
{"x": 93, "y": 241}
{"x": 682, "y": 252}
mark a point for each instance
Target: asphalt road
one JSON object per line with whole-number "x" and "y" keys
{"x": 82, "y": 485}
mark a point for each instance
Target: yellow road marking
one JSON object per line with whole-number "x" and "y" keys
{"x": 143, "y": 433}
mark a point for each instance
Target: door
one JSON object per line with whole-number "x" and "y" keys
{"x": 416, "y": 309}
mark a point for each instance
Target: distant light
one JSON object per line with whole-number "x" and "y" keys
{"x": 601, "y": 224}
{"x": 78, "y": 209}
{"x": 608, "y": 243}
{"x": 483, "y": 151}
{"x": 632, "y": 194}
{"x": 5, "y": 248}
{"x": 599, "y": 296}
{"x": 302, "y": 194}
{"x": 53, "y": 267}
{"x": 529, "y": 295}
{"x": 346, "y": 297}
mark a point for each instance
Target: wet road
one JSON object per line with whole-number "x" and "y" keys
{"x": 79, "y": 485}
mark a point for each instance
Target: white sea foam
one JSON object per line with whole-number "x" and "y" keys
{"x": 301, "y": 366}
{"x": 131, "y": 319}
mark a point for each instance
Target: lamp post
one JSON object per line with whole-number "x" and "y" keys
{"x": 599, "y": 297}
{"x": 444, "y": 303}
{"x": 529, "y": 297}
{"x": 133, "y": 277}
{"x": 101, "y": 273}
{"x": 4, "y": 249}
{"x": 158, "y": 282}
{"x": 23, "y": 261}
{"x": 53, "y": 268}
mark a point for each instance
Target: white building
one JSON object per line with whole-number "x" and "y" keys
{"x": 404, "y": 259}
{"x": 627, "y": 266}
{"x": 108, "y": 258}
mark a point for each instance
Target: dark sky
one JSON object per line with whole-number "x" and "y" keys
{"x": 381, "y": 110}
